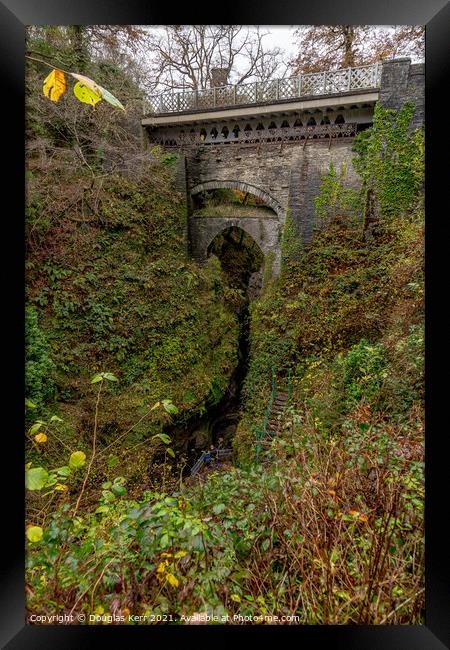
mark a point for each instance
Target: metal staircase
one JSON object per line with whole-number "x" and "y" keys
{"x": 280, "y": 395}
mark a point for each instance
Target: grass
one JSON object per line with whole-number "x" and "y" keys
{"x": 235, "y": 210}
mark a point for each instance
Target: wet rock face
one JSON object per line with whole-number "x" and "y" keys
{"x": 255, "y": 285}
{"x": 201, "y": 437}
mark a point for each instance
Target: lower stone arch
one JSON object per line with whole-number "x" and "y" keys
{"x": 243, "y": 187}
{"x": 240, "y": 226}
{"x": 265, "y": 232}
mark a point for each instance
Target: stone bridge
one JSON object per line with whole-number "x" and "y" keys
{"x": 275, "y": 140}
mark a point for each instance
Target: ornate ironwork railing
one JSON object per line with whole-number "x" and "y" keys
{"x": 314, "y": 83}
{"x": 280, "y": 134}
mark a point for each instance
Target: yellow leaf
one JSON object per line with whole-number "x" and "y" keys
{"x": 172, "y": 580}
{"x": 180, "y": 554}
{"x": 126, "y": 612}
{"x": 34, "y": 533}
{"x": 354, "y": 513}
{"x": 85, "y": 94}
{"x": 363, "y": 518}
{"x": 161, "y": 567}
{"x": 40, "y": 437}
{"x": 61, "y": 487}
{"x": 236, "y": 598}
{"x": 155, "y": 406}
{"x": 55, "y": 85}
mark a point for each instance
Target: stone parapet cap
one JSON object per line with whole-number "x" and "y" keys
{"x": 250, "y": 110}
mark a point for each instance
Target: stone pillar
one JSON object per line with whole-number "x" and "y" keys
{"x": 394, "y": 82}
{"x": 402, "y": 82}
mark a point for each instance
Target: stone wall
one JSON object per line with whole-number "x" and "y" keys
{"x": 291, "y": 173}
{"x": 181, "y": 186}
{"x": 403, "y": 82}
{"x": 265, "y": 231}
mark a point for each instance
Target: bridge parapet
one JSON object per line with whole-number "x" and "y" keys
{"x": 276, "y": 90}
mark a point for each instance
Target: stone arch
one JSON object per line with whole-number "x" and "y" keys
{"x": 234, "y": 223}
{"x": 265, "y": 232}
{"x": 243, "y": 187}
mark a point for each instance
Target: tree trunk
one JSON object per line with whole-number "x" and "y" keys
{"x": 349, "y": 55}
{"x": 79, "y": 47}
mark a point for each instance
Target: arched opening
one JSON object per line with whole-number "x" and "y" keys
{"x": 240, "y": 258}
{"x": 340, "y": 119}
{"x": 225, "y": 132}
{"x": 311, "y": 122}
{"x": 230, "y": 202}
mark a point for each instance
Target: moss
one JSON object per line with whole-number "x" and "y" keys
{"x": 115, "y": 291}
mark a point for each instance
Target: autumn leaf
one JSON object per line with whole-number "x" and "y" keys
{"x": 85, "y": 94}
{"x": 61, "y": 487}
{"x": 55, "y": 85}
{"x": 86, "y": 81}
{"x": 34, "y": 533}
{"x": 171, "y": 579}
{"x": 40, "y": 437}
{"x": 161, "y": 567}
{"x": 77, "y": 459}
{"x": 98, "y": 90}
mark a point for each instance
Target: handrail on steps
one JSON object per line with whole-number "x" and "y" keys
{"x": 260, "y": 434}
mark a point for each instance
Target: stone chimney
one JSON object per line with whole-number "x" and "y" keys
{"x": 219, "y": 76}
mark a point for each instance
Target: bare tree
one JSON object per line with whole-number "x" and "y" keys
{"x": 328, "y": 47}
{"x": 185, "y": 56}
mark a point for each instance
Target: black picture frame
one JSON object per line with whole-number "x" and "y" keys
{"x": 435, "y": 15}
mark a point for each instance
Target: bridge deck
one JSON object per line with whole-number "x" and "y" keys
{"x": 262, "y": 92}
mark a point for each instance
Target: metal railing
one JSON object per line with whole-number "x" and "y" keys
{"x": 260, "y": 434}
{"x": 220, "y": 454}
{"x": 313, "y": 83}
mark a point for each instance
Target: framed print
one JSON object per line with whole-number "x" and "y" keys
{"x": 227, "y": 288}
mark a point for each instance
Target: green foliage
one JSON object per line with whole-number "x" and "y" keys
{"x": 291, "y": 245}
{"x": 268, "y": 269}
{"x": 39, "y": 366}
{"x": 390, "y": 160}
{"x": 38, "y": 478}
{"x": 364, "y": 369}
{"x": 335, "y": 198}
{"x": 169, "y": 159}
